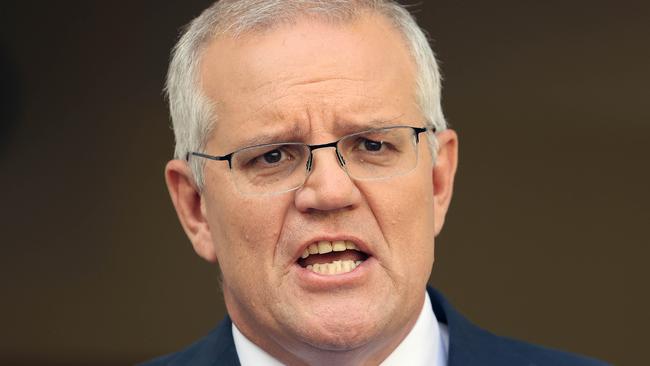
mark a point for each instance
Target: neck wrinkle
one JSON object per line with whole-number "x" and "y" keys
{"x": 368, "y": 354}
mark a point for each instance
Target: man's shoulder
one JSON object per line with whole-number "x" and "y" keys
{"x": 216, "y": 348}
{"x": 522, "y": 353}
{"x": 471, "y": 345}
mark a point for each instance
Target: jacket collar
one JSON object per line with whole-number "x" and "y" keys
{"x": 468, "y": 344}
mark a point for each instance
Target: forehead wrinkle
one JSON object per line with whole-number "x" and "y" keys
{"x": 309, "y": 123}
{"x": 289, "y": 83}
{"x": 356, "y": 102}
{"x": 323, "y": 79}
{"x": 316, "y": 108}
{"x": 284, "y": 88}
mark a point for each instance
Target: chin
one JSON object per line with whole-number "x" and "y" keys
{"x": 343, "y": 339}
{"x": 334, "y": 330}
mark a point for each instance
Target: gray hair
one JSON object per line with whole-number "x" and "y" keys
{"x": 192, "y": 113}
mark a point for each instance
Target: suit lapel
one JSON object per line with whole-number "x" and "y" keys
{"x": 470, "y": 345}
{"x": 218, "y": 348}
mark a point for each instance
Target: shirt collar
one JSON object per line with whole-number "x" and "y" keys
{"x": 426, "y": 344}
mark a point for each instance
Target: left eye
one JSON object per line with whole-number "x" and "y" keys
{"x": 273, "y": 156}
{"x": 371, "y": 145}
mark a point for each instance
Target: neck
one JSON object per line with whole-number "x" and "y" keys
{"x": 306, "y": 354}
{"x": 299, "y": 352}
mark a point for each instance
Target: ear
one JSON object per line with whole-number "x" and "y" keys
{"x": 190, "y": 208}
{"x": 444, "y": 172}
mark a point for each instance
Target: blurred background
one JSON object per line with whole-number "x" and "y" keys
{"x": 546, "y": 239}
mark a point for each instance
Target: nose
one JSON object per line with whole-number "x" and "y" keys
{"x": 327, "y": 187}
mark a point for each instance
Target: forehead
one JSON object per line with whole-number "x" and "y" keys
{"x": 307, "y": 77}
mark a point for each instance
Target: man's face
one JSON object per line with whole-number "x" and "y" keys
{"x": 314, "y": 82}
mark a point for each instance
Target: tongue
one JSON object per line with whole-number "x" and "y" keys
{"x": 347, "y": 255}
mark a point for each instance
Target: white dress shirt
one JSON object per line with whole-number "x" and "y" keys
{"x": 427, "y": 344}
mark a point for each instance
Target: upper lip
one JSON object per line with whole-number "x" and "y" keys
{"x": 361, "y": 244}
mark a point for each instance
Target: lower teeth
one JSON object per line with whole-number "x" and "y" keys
{"x": 333, "y": 268}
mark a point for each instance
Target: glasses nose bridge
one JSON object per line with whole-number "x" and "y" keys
{"x": 334, "y": 144}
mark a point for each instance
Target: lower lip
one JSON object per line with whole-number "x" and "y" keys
{"x": 316, "y": 281}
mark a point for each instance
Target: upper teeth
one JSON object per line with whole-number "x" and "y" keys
{"x": 324, "y": 246}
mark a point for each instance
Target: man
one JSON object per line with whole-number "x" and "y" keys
{"x": 313, "y": 164}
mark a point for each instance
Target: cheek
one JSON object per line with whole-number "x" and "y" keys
{"x": 245, "y": 232}
{"x": 405, "y": 214}
{"x": 406, "y": 206}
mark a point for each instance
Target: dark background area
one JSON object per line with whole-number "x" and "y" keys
{"x": 546, "y": 239}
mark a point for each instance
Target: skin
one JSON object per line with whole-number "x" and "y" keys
{"x": 315, "y": 82}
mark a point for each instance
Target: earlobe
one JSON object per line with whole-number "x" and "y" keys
{"x": 444, "y": 172}
{"x": 188, "y": 203}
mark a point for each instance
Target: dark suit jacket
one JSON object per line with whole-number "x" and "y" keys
{"x": 468, "y": 346}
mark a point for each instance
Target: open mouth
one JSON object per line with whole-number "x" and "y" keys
{"x": 332, "y": 257}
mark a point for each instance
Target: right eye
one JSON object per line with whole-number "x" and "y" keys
{"x": 268, "y": 159}
{"x": 271, "y": 158}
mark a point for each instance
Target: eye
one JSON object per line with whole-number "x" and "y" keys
{"x": 272, "y": 157}
{"x": 371, "y": 145}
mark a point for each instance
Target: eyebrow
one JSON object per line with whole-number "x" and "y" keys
{"x": 297, "y": 132}
{"x": 291, "y": 134}
{"x": 349, "y": 127}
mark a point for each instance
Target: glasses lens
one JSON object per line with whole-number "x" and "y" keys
{"x": 270, "y": 168}
{"x": 373, "y": 154}
{"x": 379, "y": 153}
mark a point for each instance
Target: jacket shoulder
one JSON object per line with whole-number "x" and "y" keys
{"x": 217, "y": 348}
{"x": 471, "y": 345}
{"x": 496, "y": 350}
